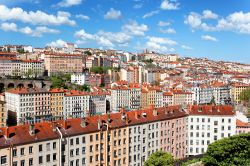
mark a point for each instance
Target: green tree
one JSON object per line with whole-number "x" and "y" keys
{"x": 212, "y": 101}
{"x": 57, "y": 82}
{"x": 231, "y": 151}
{"x": 245, "y": 95}
{"x": 87, "y": 53}
{"x": 99, "y": 69}
{"x": 160, "y": 158}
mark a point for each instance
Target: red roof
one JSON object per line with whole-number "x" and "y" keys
{"x": 211, "y": 110}
{"x": 44, "y": 131}
{"x": 239, "y": 123}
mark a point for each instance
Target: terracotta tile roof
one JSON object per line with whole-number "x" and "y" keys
{"x": 239, "y": 123}
{"x": 211, "y": 110}
{"x": 19, "y": 135}
{"x": 26, "y": 90}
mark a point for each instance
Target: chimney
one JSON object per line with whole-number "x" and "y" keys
{"x": 32, "y": 129}
{"x": 136, "y": 114}
{"x": 123, "y": 116}
{"x": 83, "y": 122}
{"x": 54, "y": 125}
{"x": 155, "y": 113}
{"x": 66, "y": 124}
{"x": 151, "y": 106}
{"x": 99, "y": 124}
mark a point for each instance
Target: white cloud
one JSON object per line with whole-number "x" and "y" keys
{"x": 69, "y": 3}
{"x": 208, "y": 14}
{"x": 138, "y": 6}
{"x": 83, "y": 17}
{"x": 169, "y": 5}
{"x": 102, "y": 38}
{"x": 113, "y": 14}
{"x": 208, "y": 38}
{"x": 169, "y": 31}
{"x": 163, "y": 23}
{"x": 150, "y": 14}
{"x": 238, "y": 22}
{"x": 185, "y": 47}
{"x": 37, "y": 32}
{"x": 8, "y": 27}
{"x": 159, "y": 44}
{"x": 161, "y": 40}
{"x": 37, "y": 18}
{"x": 83, "y": 35}
{"x": 134, "y": 29}
{"x": 58, "y": 43}
{"x": 119, "y": 37}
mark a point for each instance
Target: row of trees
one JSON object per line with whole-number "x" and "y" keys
{"x": 232, "y": 151}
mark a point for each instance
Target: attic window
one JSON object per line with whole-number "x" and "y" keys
{"x": 144, "y": 114}
{"x": 11, "y": 135}
{"x": 200, "y": 109}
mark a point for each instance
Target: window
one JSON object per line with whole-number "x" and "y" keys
{"x": 30, "y": 161}
{"x": 14, "y": 152}
{"x": 3, "y": 159}
{"x": 30, "y": 149}
{"x": 83, "y": 160}
{"x": 229, "y": 120}
{"x": 22, "y": 162}
{"x": 71, "y": 141}
{"x": 48, "y": 158}
{"x": 83, "y": 150}
{"x": 83, "y": 140}
{"x": 77, "y": 141}
{"x": 54, "y": 145}
{"x": 215, "y": 122}
{"x": 22, "y": 151}
{"x": 71, "y": 153}
{"x": 40, "y": 148}
{"x": 40, "y": 159}
{"x": 229, "y": 127}
{"x": 97, "y": 137}
{"x": 54, "y": 156}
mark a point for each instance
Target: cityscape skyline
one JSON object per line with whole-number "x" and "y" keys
{"x": 195, "y": 29}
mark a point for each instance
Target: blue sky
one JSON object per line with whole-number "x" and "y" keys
{"x": 199, "y": 28}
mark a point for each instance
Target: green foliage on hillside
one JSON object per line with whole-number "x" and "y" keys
{"x": 160, "y": 158}
{"x": 232, "y": 151}
{"x": 99, "y": 69}
{"x": 245, "y": 95}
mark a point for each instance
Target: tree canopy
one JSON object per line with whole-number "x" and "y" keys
{"x": 99, "y": 69}
{"x": 160, "y": 158}
{"x": 245, "y": 95}
{"x": 231, "y": 151}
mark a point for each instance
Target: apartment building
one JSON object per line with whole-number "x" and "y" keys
{"x": 23, "y": 68}
{"x": 242, "y": 127}
{"x": 135, "y": 96}
{"x": 236, "y": 90}
{"x": 111, "y": 139}
{"x": 79, "y": 79}
{"x": 29, "y": 105}
{"x": 203, "y": 94}
{"x": 56, "y": 103}
{"x": 75, "y": 104}
{"x": 177, "y": 97}
{"x": 3, "y": 114}
{"x": 207, "y": 124}
{"x": 221, "y": 93}
{"x": 120, "y": 97}
{"x": 97, "y": 103}
{"x": 151, "y": 95}
{"x": 56, "y": 63}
